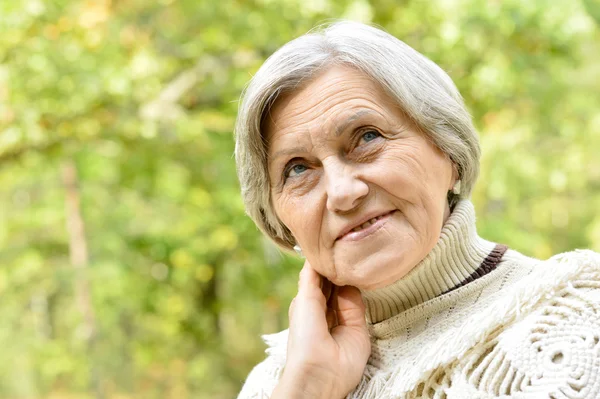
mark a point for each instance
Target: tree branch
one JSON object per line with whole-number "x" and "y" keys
{"x": 165, "y": 106}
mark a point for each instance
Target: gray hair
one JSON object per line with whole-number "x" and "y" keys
{"x": 421, "y": 89}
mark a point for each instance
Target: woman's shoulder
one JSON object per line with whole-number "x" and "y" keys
{"x": 567, "y": 280}
{"x": 545, "y": 339}
{"x": 276, "y": 344}
{"x": 573, "y": 259}
{"x": 585, "y": 258}
{"x": 264, "y": 376}
{"x": 574, "y": 269}
{"x": 569, "y": 292}
{"x": 570, "y": 280}
{"x": 560, "y": 268}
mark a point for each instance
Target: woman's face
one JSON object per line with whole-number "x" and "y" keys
{"x": 360, "y": 188}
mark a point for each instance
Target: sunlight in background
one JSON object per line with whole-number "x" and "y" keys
{"x": 128, "y": 267}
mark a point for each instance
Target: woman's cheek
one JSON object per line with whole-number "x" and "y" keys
{"x": 293, "y": 212}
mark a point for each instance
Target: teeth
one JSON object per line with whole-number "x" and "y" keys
{"x": 367, "y": 223}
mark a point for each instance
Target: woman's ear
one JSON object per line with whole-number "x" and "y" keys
{"x": 454, "y": 178}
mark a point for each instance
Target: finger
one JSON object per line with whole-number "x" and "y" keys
{"x": 349, "y": 307}
{"x": 308, "y": 310}
{"x": 333, "y": 297}
{"x": 351, "y": 330}
{"x": 291, "y": 308}
{"x": 327, "y": 289}
{"x": 331, "y": 303}
{"x": 331, "y": 319}
{"x": 309, "y": 284}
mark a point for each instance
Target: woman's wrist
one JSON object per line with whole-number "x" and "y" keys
{"x": 304, "y": 385}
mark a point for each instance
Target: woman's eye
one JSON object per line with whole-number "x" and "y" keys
{"x": 296, "y": 170}
{"x": 370, "y": 135}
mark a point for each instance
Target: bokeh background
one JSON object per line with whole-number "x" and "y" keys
{"x": 127, "y": 266}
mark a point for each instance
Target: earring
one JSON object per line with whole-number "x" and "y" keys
{"x": 456, "y": 188}
{"x": 298, "y": 250}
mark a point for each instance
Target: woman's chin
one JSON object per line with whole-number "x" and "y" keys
{"x": 368, "y": 271}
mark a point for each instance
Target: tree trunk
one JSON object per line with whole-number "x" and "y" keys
{"x": 78, "y": 252}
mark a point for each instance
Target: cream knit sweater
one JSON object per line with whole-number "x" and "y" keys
{"x": 526, "y": 329}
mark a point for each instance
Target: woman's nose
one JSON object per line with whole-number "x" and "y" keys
{"x": 344, "y": 190}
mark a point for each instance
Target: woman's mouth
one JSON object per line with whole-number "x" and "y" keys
{"x": 367, "y": 228}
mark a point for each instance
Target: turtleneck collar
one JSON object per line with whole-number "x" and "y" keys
{"x": 456, "y": 256}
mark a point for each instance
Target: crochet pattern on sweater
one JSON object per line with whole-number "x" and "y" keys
{"x": 528, "y": 329}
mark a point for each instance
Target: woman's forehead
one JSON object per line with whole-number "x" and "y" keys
{"x": 331, "y": 101}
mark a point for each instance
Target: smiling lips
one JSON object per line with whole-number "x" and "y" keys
{"x": 366, "y": 228}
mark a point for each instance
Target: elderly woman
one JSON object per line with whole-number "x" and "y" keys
{"x": 358, "y": 152}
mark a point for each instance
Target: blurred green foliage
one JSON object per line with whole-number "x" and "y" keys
{"x": 139, "y": 98}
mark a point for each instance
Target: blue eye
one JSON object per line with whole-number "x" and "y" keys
{"x": 370, "y": 135}
{"x": 296, "y": 170}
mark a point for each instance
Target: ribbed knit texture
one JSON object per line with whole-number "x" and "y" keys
{"x": 526, "y": 329}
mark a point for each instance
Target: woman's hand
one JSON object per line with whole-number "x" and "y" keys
{"x": 328, "y": 343}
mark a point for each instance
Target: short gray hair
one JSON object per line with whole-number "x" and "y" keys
{"x": 421, "y": 89}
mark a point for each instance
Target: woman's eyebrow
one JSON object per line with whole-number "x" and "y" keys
{"x": 287, "y": 152}
{"x": 340, "y": 129}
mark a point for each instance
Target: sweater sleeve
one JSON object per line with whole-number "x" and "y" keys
{"x": 263, "y": 378}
